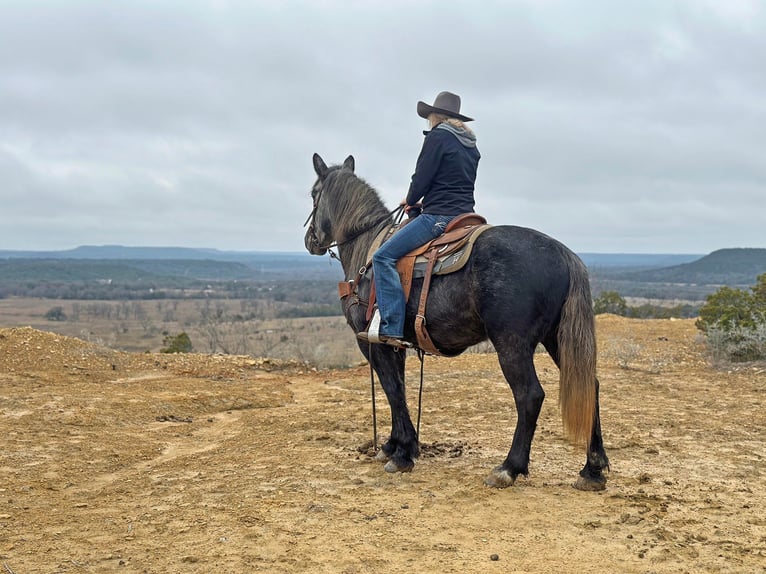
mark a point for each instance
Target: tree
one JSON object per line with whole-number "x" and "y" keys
{"x": 180, "y": 343}
{"x": 55, "y": 314}
{"x": 729, "y": 308}
{"x": 610, "y": 302}
{"x": 759, "y": 292}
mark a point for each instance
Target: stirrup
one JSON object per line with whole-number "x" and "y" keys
{"x": 396, "y": 343}
{"x": 383, "y": 339}
{"x": 373, "y": 329}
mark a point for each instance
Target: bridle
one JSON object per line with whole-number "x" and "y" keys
{"x": 311, "y": 222}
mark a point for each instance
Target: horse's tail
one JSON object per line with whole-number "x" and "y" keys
{"x": 577, "y": 355}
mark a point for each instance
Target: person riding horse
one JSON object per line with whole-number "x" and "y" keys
{"x": 519, "y": 289}
{"x": 443, "y": 181}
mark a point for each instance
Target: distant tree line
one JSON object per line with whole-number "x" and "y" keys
{"x": 612, "y": 302}
{"x": 320, "y": 294}
{"x": 600, "y": 282}
{"x": 84, "y": 291}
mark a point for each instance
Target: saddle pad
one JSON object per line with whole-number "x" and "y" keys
{"x": 452, "y": 261}
{"x": 448, "y": 263}
{"x": 456, "y": 248}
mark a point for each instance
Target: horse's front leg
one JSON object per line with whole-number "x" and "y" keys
{"x": 592, "y": 475}
{"x": 401, "y": 449}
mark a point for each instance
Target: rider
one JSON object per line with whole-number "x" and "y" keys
{"x": 444, "y": 182}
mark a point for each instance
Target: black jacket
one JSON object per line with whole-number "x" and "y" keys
{"x": 446, "y": 172}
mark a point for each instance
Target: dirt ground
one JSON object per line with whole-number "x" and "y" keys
{"x": 118, "y": 462}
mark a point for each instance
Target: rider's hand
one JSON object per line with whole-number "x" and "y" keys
{"x": 413, "y": 210}
{"x": 408, "y": 208}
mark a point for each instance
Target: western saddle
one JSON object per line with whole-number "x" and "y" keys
{"x": 445, "y": 254}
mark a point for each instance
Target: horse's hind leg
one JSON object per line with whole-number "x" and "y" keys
{"x": 519, "y": 370}
{"x": 592, "y": 475}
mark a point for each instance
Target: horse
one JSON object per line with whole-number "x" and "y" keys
{"x": 519, "y": 288}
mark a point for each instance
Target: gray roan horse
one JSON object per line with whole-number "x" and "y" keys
{"x": 519, "y": 288}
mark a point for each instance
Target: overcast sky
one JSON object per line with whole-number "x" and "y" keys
{"x": 635, "y": 127}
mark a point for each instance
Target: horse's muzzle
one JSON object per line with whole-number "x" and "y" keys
{"x": 312, "y": 243}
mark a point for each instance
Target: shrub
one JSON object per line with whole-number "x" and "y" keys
{"x": 610, "y": 302}
{"x": 737, "y": 344}
{"x": 55, "y": 314}
{"x": 734, "y": 322}
{"x": 180, "y": 343}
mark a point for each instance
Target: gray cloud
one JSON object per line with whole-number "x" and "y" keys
{"x": 631, "y": 126}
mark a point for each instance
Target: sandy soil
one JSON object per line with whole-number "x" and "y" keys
{"x": 116, "y": 462}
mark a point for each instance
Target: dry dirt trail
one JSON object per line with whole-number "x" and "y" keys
{"x": 116, "y": 462}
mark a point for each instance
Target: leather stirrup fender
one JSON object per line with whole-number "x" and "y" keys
{"x": 424, "y": 339}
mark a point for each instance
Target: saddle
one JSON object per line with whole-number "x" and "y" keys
{"x": 445, "y": 254}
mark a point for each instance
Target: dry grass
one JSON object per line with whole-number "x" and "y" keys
{"x": 241, "y": 327}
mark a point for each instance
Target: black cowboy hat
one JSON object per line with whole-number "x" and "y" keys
{"x": 446, "y": 103}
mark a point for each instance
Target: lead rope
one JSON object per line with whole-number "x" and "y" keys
{"x": 374, "y": 412}
{"x": 421, "y": 357}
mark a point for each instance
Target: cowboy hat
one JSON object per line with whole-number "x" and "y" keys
{"x": 446, "y": 103}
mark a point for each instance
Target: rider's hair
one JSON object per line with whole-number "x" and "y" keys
{"x": 435, "y": 119}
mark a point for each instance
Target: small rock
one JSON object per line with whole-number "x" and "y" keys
{"x": 494, "y": 557}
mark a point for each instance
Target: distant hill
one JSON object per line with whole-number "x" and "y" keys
{"x": 279, "y": 259}
{"x": 204, "y": 264}
{"x": 722, "y": 267}
{"x": 107, "y": 252}
{"x": 59, "y": 270}
{"x": 633, "y": 260}
{"x": 270, "y": 261}
{"x": 127, "y": 252}
{"x": 125, "y": 271}
{"x": 663, "y": 276}
{"x": 154, "y": 270}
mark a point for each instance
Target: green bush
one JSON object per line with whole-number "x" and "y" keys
{"x": 180, "y": 343}
{"x": 737, "y": 344}
{"x": 610, "y": 302}
{"x": 734, "y": 322}
{"x": 56, "y": 314}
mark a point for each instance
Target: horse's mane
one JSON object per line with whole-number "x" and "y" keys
{"x": 355, "y": 204}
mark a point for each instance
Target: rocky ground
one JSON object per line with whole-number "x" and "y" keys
{"x": 117, "y": 462}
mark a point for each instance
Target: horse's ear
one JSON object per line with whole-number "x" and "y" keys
{"x": 349, "y": 163}
{"x": 320, "y": 166}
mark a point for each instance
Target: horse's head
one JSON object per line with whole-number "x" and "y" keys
{"x": 322, "y": 224}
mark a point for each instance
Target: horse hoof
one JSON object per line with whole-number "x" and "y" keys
{"x": 392, "y": 467}
{"x": 499, "y": 478}
{"x": 590, "y": 484}
{"x": 381, "y": 456}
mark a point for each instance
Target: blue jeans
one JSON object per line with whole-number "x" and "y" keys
{"x": 388, "y": 286}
